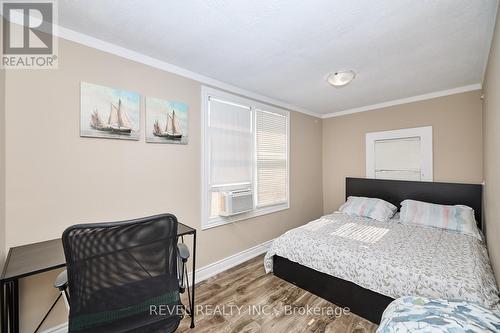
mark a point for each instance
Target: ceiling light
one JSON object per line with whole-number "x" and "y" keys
{"x": 341, "y": 78}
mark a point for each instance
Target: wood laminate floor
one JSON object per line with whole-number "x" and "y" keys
{"x": 245, "y": 299}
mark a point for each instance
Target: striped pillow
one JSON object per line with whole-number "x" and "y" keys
{"x": 458, "y": 218}
{"x": 373, "y": 208}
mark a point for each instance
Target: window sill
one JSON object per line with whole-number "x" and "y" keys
{"x": 219, "y": 221}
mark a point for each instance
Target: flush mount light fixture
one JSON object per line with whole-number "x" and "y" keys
{"x": 341, "y": 78}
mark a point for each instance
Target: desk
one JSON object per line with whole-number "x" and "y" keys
{"x": 31, "y": 259}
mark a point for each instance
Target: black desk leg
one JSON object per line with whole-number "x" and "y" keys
{"x": 15, "y": 306}
{"x": 3, "y": 306}
{"x": 193, "y": 282}
{"x": 10, "y": 307}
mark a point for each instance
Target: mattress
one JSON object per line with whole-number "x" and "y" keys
{"x": 391, "y": 258}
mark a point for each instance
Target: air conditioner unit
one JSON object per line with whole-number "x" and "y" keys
{"x": 236, "y": 202}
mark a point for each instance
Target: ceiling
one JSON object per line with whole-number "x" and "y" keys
{"x": 285, "y": 49}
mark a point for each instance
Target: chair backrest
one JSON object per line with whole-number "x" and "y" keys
{"x": 118, "y": 272}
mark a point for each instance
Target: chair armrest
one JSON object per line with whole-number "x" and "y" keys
{"x": 61, "y": 282}
{"x": 183, "y": 251}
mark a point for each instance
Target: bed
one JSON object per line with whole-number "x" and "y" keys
{"x": 421, "y": 315}
{"x": 364, "y": 264}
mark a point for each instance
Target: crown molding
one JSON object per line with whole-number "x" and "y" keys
{"x": 123, "y": 52}
{"x": 417, "y": 98}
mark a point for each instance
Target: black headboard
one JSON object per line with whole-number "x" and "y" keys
{"x": 395, "y": 191}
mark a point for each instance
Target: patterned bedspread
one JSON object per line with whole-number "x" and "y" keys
{"x": 422, "y": 315}
{"x": 391, "y": 258}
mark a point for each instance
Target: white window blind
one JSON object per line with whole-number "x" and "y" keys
{"x": 398, "y": 159}
{"x": 271, "y": 158}
{"x": 231, "y": 143}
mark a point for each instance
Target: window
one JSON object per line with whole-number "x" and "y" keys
{"x": 245, "y": 150}
{"x": 401, "y": 154}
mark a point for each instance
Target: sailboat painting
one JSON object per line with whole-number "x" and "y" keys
{"x": 166, "y": 121}
{"x": 109, "y": 113}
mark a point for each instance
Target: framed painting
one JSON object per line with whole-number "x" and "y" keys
{"x": 109, "y": 113}
{"x": 166, "y": 121}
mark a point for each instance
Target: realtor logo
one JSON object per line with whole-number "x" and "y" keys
{"x": 28, "y": 35}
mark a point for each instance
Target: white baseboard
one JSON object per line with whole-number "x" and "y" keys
{"x": 229, "y": 262}
{"x": 204, "y": 272}
{"x": 62, "y": 328}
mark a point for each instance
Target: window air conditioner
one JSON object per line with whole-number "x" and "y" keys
{"x": 236, "y": 202}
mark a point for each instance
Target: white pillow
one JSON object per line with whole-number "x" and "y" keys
{"x": 373, "y": 208}
{"x": 458, "y": 218}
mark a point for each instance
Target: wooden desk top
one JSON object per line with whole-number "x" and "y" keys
{"x": 30, "y": 259}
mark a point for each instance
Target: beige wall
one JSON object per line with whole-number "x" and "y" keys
{"x": 2, "y": 160}
{"x": 56, "y": 179}
{"x": 491, "y": 109}
{"x": 457, "y": 140}
{"x": 2, "y": 167}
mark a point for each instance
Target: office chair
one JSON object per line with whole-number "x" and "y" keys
{"x": 124, "y": 276}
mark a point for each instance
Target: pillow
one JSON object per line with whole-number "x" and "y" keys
{"x": 373, "y": 208}
{"x": 458, "y": 218}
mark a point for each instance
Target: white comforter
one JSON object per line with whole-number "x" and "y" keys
{"x": 391, "y": 258}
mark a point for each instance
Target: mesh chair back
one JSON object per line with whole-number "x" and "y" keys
{"x": 118, "y": 272}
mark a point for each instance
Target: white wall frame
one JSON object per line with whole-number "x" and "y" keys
{"x": 206, "y": 221}
{"x": 425, "y": 135}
